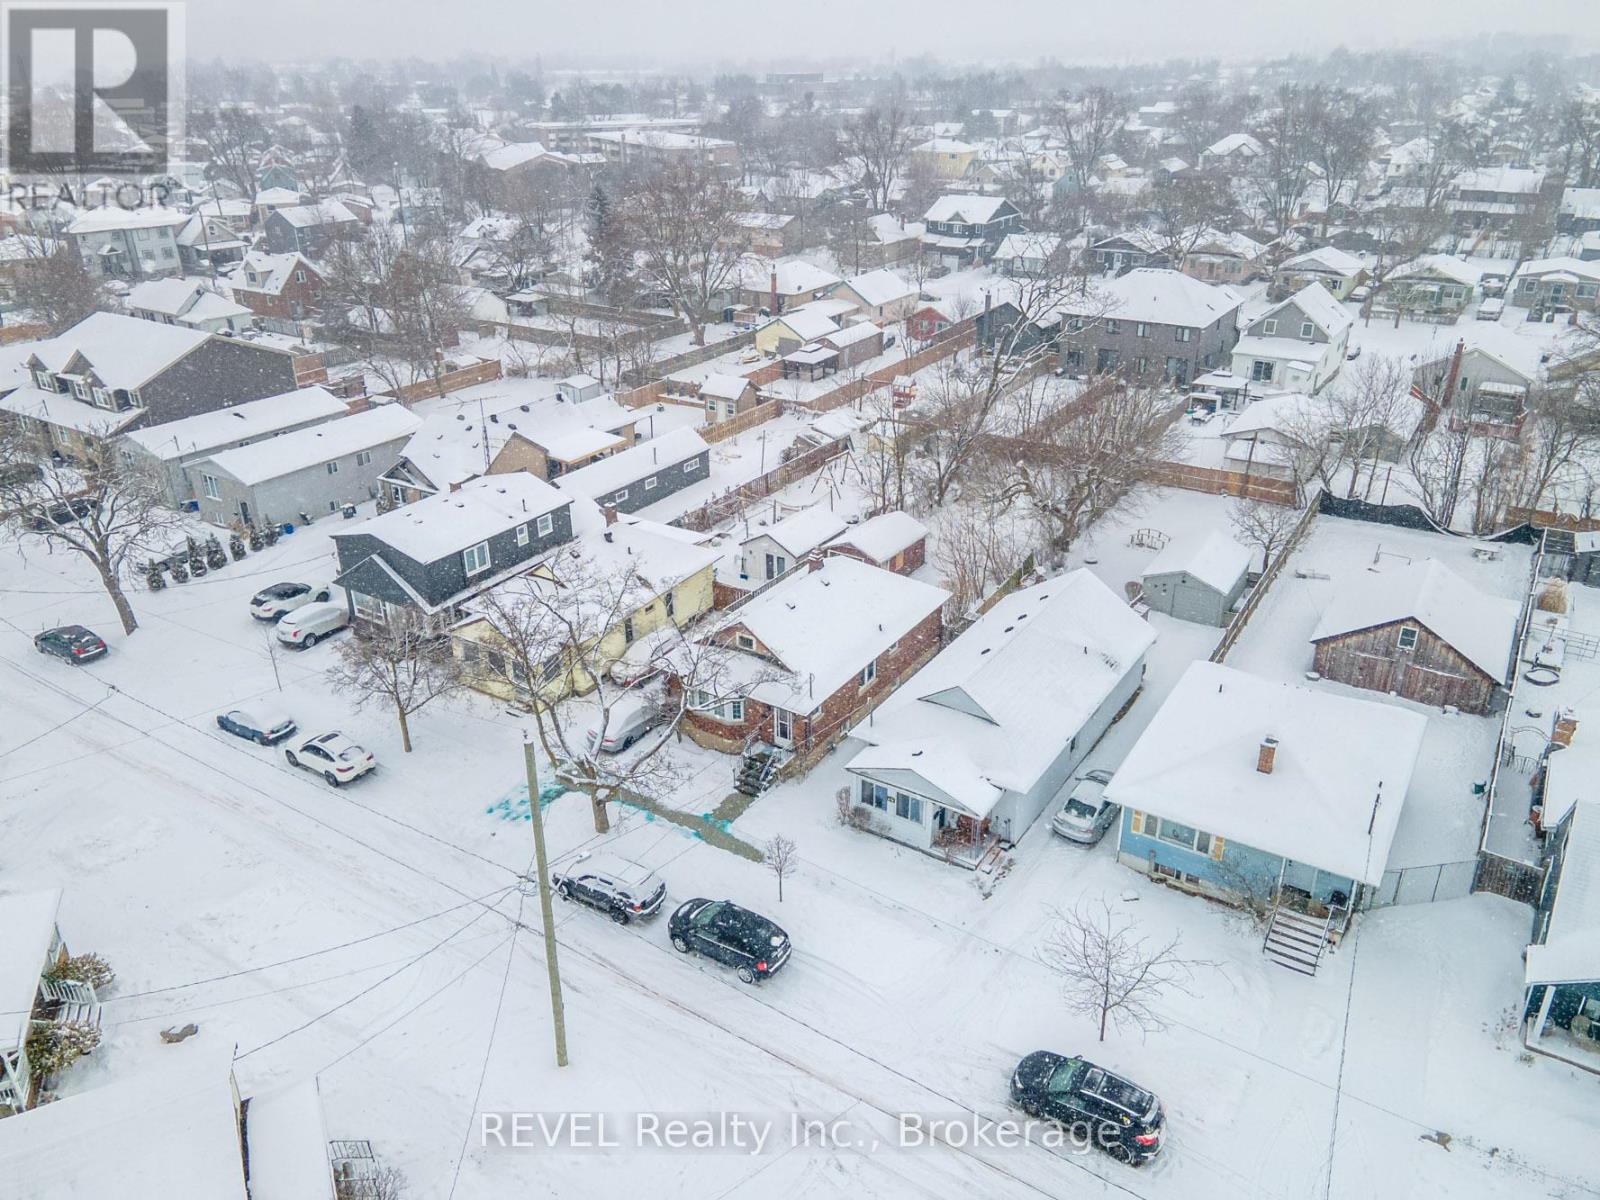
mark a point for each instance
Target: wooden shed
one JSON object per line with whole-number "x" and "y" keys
{"x": 1198, "y": 581}
{"x": 1419, "y": 631}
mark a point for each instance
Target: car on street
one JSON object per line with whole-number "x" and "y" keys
{"x": 65, "y": 512}
{"x": 1087, "y": 814}
{"x": 630, "y": 719}
{"x": 260, "y": 724}
{"x": 71, "y": 642}
{"x": 310, "y": 623}
{"x": 270, "y": 603}
{"x": 618, "y": 887}
{"x": 749, "y": 943}
{"x": 1122, "y": 1118}
{"x": 332, "y": 755}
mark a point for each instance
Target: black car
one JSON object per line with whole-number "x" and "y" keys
{"x": 1124, "y": 1120}
{"x": 65, "y": 513}
{"x": 71, "y": 642}
{"x": 619, "y": 887}
{"x": 721, "y": 930}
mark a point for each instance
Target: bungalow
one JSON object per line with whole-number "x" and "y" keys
{"x": 1297, "y": 343}
{"x": 1420, "y": 631}
{"x": 727, "y": 396}
{"x": 1435, "y": 285}
{"x": 187, "y": 302}
{"x": 30, "y": 950}
{"x": 1334, "y": 269}
{"x": 1027, "y": 253}
{"x": 643, "y": 474}
{"x": 1561, "y": 967}
{"x": 1558, "y": 282}
{"x": 1197, "y": 579}
{"x": 960, "y": 230}
{"x": 311, "y": 471}
{"x": 811, "y": 656}
{"x": 880, "y": 296}
{"x": 975, "y": 745}
{"x": 782, "y": 285}
{"x": 435, "y": 554}
{"x": 1218, "y": 256}
{"x": 796, "y": 328}
{"x": 1247, "y": 790}
{"x": 1235, "y": 152}
{"x": 782, "y": 546}
{"x": 1579, "y": 211}
{"x": 895, "y": 541}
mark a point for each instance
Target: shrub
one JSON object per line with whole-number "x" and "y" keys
{"x": 85, "y": 968}
{"x": 54, "y": 1047}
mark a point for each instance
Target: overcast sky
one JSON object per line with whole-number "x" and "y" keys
{"x": 762, "y": 32}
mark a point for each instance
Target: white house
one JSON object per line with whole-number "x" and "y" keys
{"x": 778, "y": 548}
{"x": 1298, "y": 343}
{"x": 881, "y": 295}
{"x": 975, "y": 745}
{"x": 187, "y": 302}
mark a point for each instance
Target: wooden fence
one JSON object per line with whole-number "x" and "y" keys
{"x": 731, "y": 504}
{"x": 1216, "y": 482}
{"x": 689, "y": 358}
{"x": 1508, "y": 877}
{"x": 1264, "y": 584}
{"x": 1544, "y": 518}
{"x": 451, "y": 381}
{"x": 721, "y": 431}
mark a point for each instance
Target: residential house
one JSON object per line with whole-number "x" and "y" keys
{"x": 286, "y": 286}
{"x": 309, "y": 229}
{"x": 1485, "y": 381}
{"x": 812, "y": 655}
{"x": 308, "y": 472}
{"x": 165, "y": 450}
{"x": 795, "y": 328}
{"x": 432, "y": 555}
{"x": 187, "y": 302}
{"x": 1420, "y": 631}
{"x": 1027, "y": 254}
{"x": 927, "y": 323}
{"x": 782, "y": 546}
{"x": 1124, "y": 252}
{"x": 887, "y": 240}
{"x": 1579, "y": 211}
{"x": 237, "y": 214}
{"x": 1218, "y": 256}
{"x": 1244, "y": 789}
{"x": 110, "y": 373}
{"x": 976, "y": 745}
{"x": 1298, "y": 343}
{"x": 1557, "y": 283}
{"x": 1197, "y": 579}
{"x": 853, "y": 345}
{"x": 30, "y": 950}
{"x": 960, "y": 230}
{"x": 209, "y": 244}
{"x": 1151, "y": 323}
{"x": 894, "y": 540}
{"x": 1339, "y": 272}
{"x": 662, "y": 146}
{"x": 880, "y": 296}
{"x": 668, "y": 584}
{"x": 770, "y": 235}
{"x": 128, "y": 243}
{"x": 1561, "y": 966}
{"x": 781, "y": 286}
{"x": 727, "y": 396}
{"x": 943, "y": 157}
{"x": 643, "y": 474}
{"x": 1434, "y": 286}
{"x": 1234, "y": 153}
{"x": 1503, "y": 199}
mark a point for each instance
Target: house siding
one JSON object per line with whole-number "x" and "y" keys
{"x": 1179, "y": 594}
{"x": 906, "y": 562}
{"x": 1240, "y": 865}
{"x": 1432, "y": 672}
{"x": 310, "y": 490}
{"x": 669, "y": 477}
{"x": 218, "y": 372}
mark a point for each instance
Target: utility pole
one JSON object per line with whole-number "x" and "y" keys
{"x": 546, "y": 914}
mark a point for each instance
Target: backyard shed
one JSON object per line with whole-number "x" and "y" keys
{"x": 1198, "y": 580}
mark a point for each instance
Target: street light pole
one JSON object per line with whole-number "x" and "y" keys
{"x": 547, "y": 915}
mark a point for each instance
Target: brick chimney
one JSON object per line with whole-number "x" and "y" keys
{"x": 1267, "y": 755}
{"x": 1566, "y": 727}
{"x": 610, "y": 513}
{"x": 774, "y": 300}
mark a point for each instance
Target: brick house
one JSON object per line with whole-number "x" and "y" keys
{"x": 811, "y": 655}
{"x": 895, "y": 541}
{"x": 287, "y": 286}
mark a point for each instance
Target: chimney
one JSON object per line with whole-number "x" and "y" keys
{"x": 1566, "y": 727}
{"x": 774, "y": 291}
{"x": 1267, "y": 755}
{"x": 610, "y": 511}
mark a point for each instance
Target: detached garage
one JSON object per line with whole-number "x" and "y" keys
{"x": 1198, "y": 581}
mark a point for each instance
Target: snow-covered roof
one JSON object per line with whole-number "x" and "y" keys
{"x": 59, "y": 408}
{"x": 1018, "y": 685}
{"x": 1215, "y": 559}
{"x": 1159, "y": 296}
{"x": 942, "y": 772}
{"x": 165, "y": 1131}
{"x": 1518, "y": 180}
{"x": 326, "y": 212}
{"x": 945, "y": 145}
{"x": 1446, "y": 266}
{"x": 226, "y": 426}
{"x": 278, "y": 197}
{"x": 580, "y": 442}
{"x": 795, "y": 276}
{"x": 1329, "y": 258}
{"x": 807, "y": 325}
{"x": 965, "y": 209}
{"x": 107, "y": 218}
{"x": 513, "y": 154}
{"x": 446, "y": 522}
{"x": 27, "y": 928}
{"x": 271, "y": 270}
{"x": 633, "y": 464}
{"x": 1316, "y": 302}
{"x": 881, "y": 537}
{"x": 851, "y": 334}
{"x": 1342, "y": 766}
{"x": 1480, "y": 627}
{"x": 882, "y": 286}
{"x": 1236, "y": 143}
{"x": 803, "y": 532}
{"x": 1539, "y": 267}
{"x": 1570, "y": 773}
{"x": 1281, "y": 413}
{"x": 275, "y": 457}
{"x": 825, "y": 625}
{"x": 1581, "y": 203}
{"x": 1570, "y": 952}
{"x": 289, "y": 1145}
{"x": 124, "y": 351}
{"x": 721, "y": 386}
{"x": 1028, "y": 245}
{"x": 169, "y": 297}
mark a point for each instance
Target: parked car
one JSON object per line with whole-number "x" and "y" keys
{"x": 259, "y": 723}
{"x": 1491, "y": 309}
{"x": 71, "y": 642}
{"x": 310, "y": 623}
{"x": 17, "y": 473}
{"x": 1087, "y": 814}
{"x": 66, "y": 512}
{"x": 616, "y": 886}
{"x": 1125, "y": 1120}
{"x": 332, "y": 755}
{"x": 629, "y": 720}
{"x": 270, "y": 603}
{"x": 721, "y": 930}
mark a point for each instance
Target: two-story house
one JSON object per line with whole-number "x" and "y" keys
{"x": 128, "y": 243}
{"x": 1498, "y": 198}
{"x": 187, "y": 302}
{"x": 286, "y": 286}
{"x": 1298, "y": 343}
{"x": 959, "y": 230}
{"x": 1151, "y": 323}
{"x": 309, "y": 228}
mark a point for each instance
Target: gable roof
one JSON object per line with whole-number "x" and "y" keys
{"x": 1570, "y": 952}
{"x": 1446, "y": 266}
{"x": 882, "y": 286}
{"x": 966, "y": 209}
{"x": 225, "y": 426}
{"x": 804, "y": 531}
{"x": 1160, "y": 296}
{"x": 805, "y": 324}
{"x": 633, "y": 464}
{"x": 1317, "y": 303}
{"x": 724, "y": 387}
{"x": 1215, "y": 560}
{"x": 1328, "y": 257}
{"x": 883, "y": 536}
{"x": 1480, "y": 627}
{"x": 124, "y": 351}
{"x": 795, "y": 276}
{"x": 274, "y": 457}
{"x": 437, "y": 526}
{"x": 27, "y": 929}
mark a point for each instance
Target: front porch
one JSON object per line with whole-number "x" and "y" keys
{"x": 1562, "y": 1020}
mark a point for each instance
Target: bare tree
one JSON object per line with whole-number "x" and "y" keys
{"x": 1086, "y": 125}
{"x": 780, "y": 857}
{"x": 84, "y": 499}
{"x": 1188, "y": 208}
{"x": 1283, "y": 171}
{"x": 1437, "y": 458}
{"x": 53, "y": 284}
{"x": 1109, "y": 972}
{"x": 1371, "y": 414}
{"x": 234, "y": 139}
{"x": 1338, "y": 134}
{"x": 402, "y": 663}
{"x": 1267, "y": 527}
{"x": 875, "y": 144}
{"x": 682, "y": 220}
{"x": 980, "y": 542}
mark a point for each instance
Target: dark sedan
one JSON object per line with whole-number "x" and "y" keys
{"x": 263, "y": 726}
{"x": 71, "y": 642}
{"x": 1124, "y": 1120}
{"x": 721, "y": 930}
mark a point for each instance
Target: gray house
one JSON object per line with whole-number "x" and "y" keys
{"x": 309, "y": 228}
{"x": 1150, "y": 323}
{"x": 1198, "y": 581}
{"x": 643, "y": 474}
{"x": 166, "y": 449}
{"x": 314, "y": 470}
{"x": 432, "y": 555}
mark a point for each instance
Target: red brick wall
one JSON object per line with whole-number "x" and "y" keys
{"x": 904, "y": 563}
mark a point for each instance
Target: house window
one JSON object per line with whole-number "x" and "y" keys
{"x": 522, "y": 534}
{"x": 619, "y": 495}
{"x": 544, "y": 524}
{"x": 1307, "y": 329}
{"x": 467, "y": 651}
{"x": 650, "y": 484}
{"x": 744, "y": 641}
{"x": 1184, "y": 334}
{"x": 691, "y": 466}
{"x": 1268, "y": 328}
{"x": 1183, "y": 835}
{"x": 1261, "y": 371}
{"x": 369, "y": 607}
{"x": 1408, "y": 637}
{"x": 1113, "y": 326}
{"x": 550, "y": 668}
{"x": 333, "y": 468}
{"x": 363, "y": 458}
{"x": 476, "y": 558}
{"x": 102, "y": 397}
{"x": 1142, "y": 329}
{"x": 627, "y": 630}
{"x": 868, "y": 673}
{"x": 213, "y": 491}
{"x": 80, "y": 389}
{"x": 908, "y": 808}
{"x": 670, "y": 600}
{"x": 718, "y": 710}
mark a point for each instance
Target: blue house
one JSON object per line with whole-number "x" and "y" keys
{"x": 1561, "y": 973}
{"x": 1268, "y": 794}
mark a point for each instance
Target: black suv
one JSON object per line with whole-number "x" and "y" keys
{"x": 1124, "y": 1120}
{"x": 720, "y": 929}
